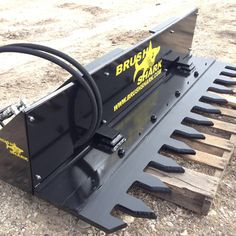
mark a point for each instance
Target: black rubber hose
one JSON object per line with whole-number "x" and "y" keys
{"x": 93, "y": 126}
{"x": 76, "y": 64}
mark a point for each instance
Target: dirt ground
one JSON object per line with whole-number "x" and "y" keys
{"x": 87, "y": 30}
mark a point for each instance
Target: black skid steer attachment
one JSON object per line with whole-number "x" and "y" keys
{"x": 83, "y": 146}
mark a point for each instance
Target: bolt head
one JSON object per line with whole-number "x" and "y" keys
{"x": 153, "y": 118}
{"x": 38, "y": 177}
{"x": 177, "y": 93}
{"x": 196, "y": 74}
{"x": 31, "y": 118}
{"x": 121, "y": 152}
{"x": 104, "y": 121}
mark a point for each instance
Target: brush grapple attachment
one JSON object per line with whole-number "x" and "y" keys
{"x": 141, "y": 98}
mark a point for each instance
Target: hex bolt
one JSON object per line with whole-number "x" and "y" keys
{"x": 31, "y": 118}
{"x": 106, "y": 73}
{"x": 104, "y": 121}
{"x": 38, "y": 177}
{"x": 172, "y": 31}
{"x": 153, "y": 118}
{"x": 121, "y": 152}
{"x": 177, "y": 93}
{"x": 196, "y": 74}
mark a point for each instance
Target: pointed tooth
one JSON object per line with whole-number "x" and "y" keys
{"x": 225, "y": 81}
{"x": 220, "y": 89}
{"x": 135, "y": 207}
{"x": 207, "y": 108}
{"x": 178, "y": 150}
{"x": 213, "y": 98}
{"x": 178, "y": 147}
{"x": 166, "y": 164}
{"x": 198, "y": 120}
{"x": 152, "y": 183}
{"x": 230, "y": 68}
{"x": 188, "y": 132}
{"x": 228, "y": 74}
{"x": 189, "y": 135}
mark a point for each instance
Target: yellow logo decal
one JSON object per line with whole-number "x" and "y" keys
{"x": 13, "y": 149}
{"x": 146, "y": 66}
{"x": 146, "y": 69}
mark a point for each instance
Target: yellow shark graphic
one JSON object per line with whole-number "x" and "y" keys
{"x": 147, "y": 62}
{"x": 13, "y": 149}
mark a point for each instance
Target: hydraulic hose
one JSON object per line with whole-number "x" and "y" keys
{"x": 76, "y": 64}
{"x": 95, "y": 117}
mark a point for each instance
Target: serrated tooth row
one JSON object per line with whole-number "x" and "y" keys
{"x": 137, "y": 207}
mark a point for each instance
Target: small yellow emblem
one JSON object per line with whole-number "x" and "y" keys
{"x": 13, "y": 149}
{"x": 148, "y": 62}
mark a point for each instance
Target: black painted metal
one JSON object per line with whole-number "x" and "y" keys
{"x": 13, "y": 141}
{"x": 220, "y": 89}
{"x": 225, "y": 81}
{"x": 90, "y": 182}
{"x": 146, "y": 153}
{"x": 229, "y": 74}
